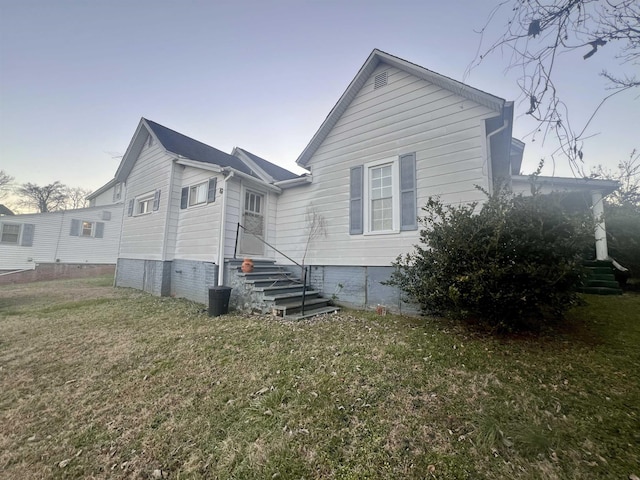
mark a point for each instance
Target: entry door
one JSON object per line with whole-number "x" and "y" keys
{"x": 253, "y": 222}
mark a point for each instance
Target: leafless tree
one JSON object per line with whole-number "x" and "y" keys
{"x": 48, "y": 198}
{"x": 76, "y": 197}
{"x": 538, "y": 36}
{"x": 316, "y": 227}
{"x": 628, "y": 175}
{"x": 5, "y": 183}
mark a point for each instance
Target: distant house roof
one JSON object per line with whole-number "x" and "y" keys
{"x": 5, "y": 211}
{"x": 276, "y": 172}
{"x": 102, "y": 189}
{"x": 192, "y": 149}
{"x": 376, "y": 58}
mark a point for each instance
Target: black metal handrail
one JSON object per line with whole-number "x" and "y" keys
{"x": 303, "y": 267}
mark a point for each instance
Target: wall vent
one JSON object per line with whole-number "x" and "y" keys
{"x": 380, "y": 80}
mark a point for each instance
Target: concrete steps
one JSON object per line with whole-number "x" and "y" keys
{"x": 601, "y": 279}
{"x": 273, "y": 289}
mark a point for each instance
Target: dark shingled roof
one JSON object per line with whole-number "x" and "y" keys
{"x": 194, "y": 150}
{"x": 5, "y": 211}
{"x": 278, "y": 173}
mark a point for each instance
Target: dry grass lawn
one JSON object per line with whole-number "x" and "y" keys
{"x": 97, "y": 382}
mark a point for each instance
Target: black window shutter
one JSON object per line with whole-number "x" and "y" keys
{"x": 131, "y": 204}
{"x": 27, "y": 234}
{"x": 211, "y": 194}
{"x": 184, "y": 199}
{"x": 408, "y": 202}
{"x": 75, "y": 227}
{"x": 156, "y": 200}
{"x": 99, "y": 230}
{"x": 355, "y": 200}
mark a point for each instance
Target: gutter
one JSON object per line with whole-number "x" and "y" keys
{"x": 222, "y": 230}
{"x": 262, "y": 183}
{"x": 293, "y": 182}
{"x": 201, "y": 165}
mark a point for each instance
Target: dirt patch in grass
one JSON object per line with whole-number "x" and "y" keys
{"x": 97, "y": 382}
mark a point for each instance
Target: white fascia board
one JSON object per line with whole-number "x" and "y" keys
{"x": 238, "y": 152}
{"x": 102, "y": 189}
{"x": 584, "y": 184}
{"x": 294, "y": 182}
{"x": 257, "y": 181}
{"x": 187, "y": 162}
{"x": 132, "y": 152}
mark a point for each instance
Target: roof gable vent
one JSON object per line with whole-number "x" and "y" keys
{"x": 380, "y": 80}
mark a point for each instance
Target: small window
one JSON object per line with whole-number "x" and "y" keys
{"x": 144, "y": 206}
{"x": 253, "y": 203}
{"x": 117, "y": 192}
{"x": 87, "y": 229}
{"x": 198, "y": 194}
{"x": 10, "y": 233}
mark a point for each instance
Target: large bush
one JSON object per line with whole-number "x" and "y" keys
{"x": 514, "y": 262}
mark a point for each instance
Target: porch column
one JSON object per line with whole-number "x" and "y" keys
{"x": 602, "y": 253}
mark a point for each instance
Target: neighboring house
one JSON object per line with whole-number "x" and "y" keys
{"x": 399, "y": 134}
{"x": 81, "y": 236}
{"x": 5, "y": 211}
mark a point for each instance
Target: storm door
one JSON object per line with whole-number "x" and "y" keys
{"x": 254, "y": 225}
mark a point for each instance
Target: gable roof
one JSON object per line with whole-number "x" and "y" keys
{"x": 274, "y": 171}
{"x": 184, "y": 146}
{"x": 5, "y": 211}
{"x": 375, "y": 59}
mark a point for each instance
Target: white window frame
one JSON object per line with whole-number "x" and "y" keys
{"x": 92, "y": 228}
{"x": 395, "y": 185}
{"x": 144, "y": 205}
{"x": 202, "y": 187}
{"x": 117, "y": 191}
{"x": 2, "y": 233}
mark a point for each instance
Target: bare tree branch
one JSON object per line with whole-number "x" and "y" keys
{"x": 48, "y": 198}
{"x": 5, "y": 184}
{"x": 539, "y": 32}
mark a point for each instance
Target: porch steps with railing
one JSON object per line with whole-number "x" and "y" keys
{"x": 273, "y": 289}
{"x": 601, "y": 279}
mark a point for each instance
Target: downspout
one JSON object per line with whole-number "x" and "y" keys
{"x": 169, "y": 194}
{"x": 505, "y": 124}
{"x": 222, "y": 229}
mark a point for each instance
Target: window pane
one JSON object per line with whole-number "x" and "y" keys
{"x": 10, "y": 233}
{"x": 198, "y": 194}
{"x": 381, "y": 198}
{"x": 87, "y": 229}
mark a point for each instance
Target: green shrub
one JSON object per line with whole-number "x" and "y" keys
{"x": 514, "y": 262}
{"x": 623, "y": 236}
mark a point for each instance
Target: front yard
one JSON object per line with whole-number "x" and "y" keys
{"x": 97, "y": 382}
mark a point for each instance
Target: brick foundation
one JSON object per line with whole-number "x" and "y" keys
{"x": 57, "y": 271}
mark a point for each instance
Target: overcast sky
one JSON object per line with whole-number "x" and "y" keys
{"x": 76, "y": 76}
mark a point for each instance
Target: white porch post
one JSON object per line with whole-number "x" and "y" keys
{"x": 602, "y": 253}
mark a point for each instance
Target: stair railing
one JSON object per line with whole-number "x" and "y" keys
{"x": 302, "y": 267}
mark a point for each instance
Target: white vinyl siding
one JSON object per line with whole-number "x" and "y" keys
{"x": 197, "y": 231}
{"x": 143, "y": 235}
{"x": 445, "y": 132}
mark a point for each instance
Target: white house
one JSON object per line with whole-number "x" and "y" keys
{"x": 399, "y": 134}
{"x": 81, "y": 236}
